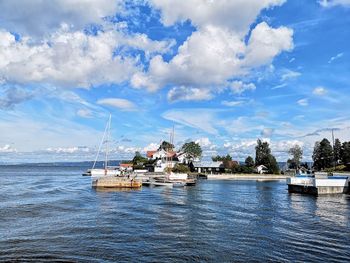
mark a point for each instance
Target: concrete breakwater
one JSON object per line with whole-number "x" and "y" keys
{"x": 262, "y": 177}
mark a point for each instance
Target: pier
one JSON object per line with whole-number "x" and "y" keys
{"x": 319, "y": 185}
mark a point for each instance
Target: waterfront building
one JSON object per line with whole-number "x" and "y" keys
{"x": 209, "y": 167}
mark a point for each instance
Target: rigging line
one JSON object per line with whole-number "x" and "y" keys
{"x": 100, "y": 146}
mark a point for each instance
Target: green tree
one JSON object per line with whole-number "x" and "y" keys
{"x": 297, "y": 155}
{"x": 345, "y": 154}
{"x": 322, "y": 155}
{"x": 181, "y": 168}
{"x": 192, "y": 150}
{"x": 272, "y": 165}
{"x": 262, "y": 152}
{"x": 249, "y": 162}
{"x": 337, "y": 150}
{"x": 138, "y": 159}
{"x": 222, "y": 158}
{"x": 166, "y": 146}
{"x": 263, "y": 156}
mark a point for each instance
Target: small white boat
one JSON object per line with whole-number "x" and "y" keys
{"x": 177, "y": 176}
{"x": 105, "y": 171}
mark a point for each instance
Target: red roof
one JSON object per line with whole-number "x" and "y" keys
{"x": 150, "y": 154}
{"x": 126, "y": 165}
{"x": 171, "y": 154}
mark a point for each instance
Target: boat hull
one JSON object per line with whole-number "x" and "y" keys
{"x": 104, "y": 172}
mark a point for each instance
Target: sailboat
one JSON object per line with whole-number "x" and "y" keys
{"x": 106, "y": 170}
{"x": 110, "y": 176}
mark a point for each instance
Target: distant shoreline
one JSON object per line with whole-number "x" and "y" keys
{"x": 262, "y": 177}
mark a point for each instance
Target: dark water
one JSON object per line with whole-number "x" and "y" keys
{"x": 53, "y": 214}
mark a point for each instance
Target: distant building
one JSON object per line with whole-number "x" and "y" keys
{"x": 261, "y": 169}
{"x": 126, "y": 166}
{"x": 209, "y": 167}
{"x": 163, "y": 159}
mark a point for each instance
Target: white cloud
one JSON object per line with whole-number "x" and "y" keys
{"x": 7, "y": 148}
{"x": 185, "y": 94}
{"x": 122, "y": 104}
{"x": 37, "y": 17}
{"x": 151, "y": 147}
{"x": 217, "y": 51}
{"x": 73, "y": 149}
{"x": 265, "y": 43}
{"x": 200, "y": 119}
{"x": 85, "y": 113}
{"x": 73, "y": 58}
{"x": 331, "y": 3}
{"x": 303, "y": 102}
{"x": 13, "y": 96}
{"x": 232, "y": 103}
{"x": 233, "y": 15}
{"x": 320, "y": 91}
{"x": 238, "y": 87}
{"x": 289, "y": 74}
{"x": 204, "y": 142}
{"x": 267, "y": 132}
{"x": 335, "y": 57}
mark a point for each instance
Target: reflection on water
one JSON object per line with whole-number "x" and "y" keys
{"x": 56, "y": 215}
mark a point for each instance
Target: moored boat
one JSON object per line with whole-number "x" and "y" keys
{"x": 109, "y": 176}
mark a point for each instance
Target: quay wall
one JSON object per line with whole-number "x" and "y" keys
{"x": 262, "y": 177}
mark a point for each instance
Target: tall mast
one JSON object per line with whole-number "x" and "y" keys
{"x": 100, "y": 146}
{"x": 107, "y": 141}
{"x": 334, "y": 161}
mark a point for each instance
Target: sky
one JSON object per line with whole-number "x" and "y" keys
{"x": 223, "y": 73}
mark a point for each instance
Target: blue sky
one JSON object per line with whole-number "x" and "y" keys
{"x": 223, "y": 73}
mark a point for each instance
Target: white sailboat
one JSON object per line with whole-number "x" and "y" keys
{"x": 110, "y": 176}
{"x": 107, "y": 170}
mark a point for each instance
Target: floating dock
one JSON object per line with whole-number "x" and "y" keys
{"x": 318, "y": 185}
{"x": 116, "y": 182}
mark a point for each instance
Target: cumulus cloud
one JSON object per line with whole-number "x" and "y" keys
{"x": 216, "y": 13}
{"x": 217, "y": 51}
{"x": 7, "y": 148}
{"x": 320, "y": 91}
{"x": 265, "y": 43}
{"x": 184, "y": 94}
{"x": 38, "y": 18}
{"x": 121, "y": 104}
{"x": 151, "y": 147}
{"x": 73, "y": 58}
{"x": 204, "y": 142}
{"x": 238, "y": 87}
{"x": 74, "y": 149}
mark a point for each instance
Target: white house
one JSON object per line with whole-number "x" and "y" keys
{"x": 164, "y": 159}
{"x": 261, "y": 169}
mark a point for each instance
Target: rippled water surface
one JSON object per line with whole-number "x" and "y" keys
{"x": 52, "y": 213}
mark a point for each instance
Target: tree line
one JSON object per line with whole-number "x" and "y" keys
{"x": 325, "y": 156}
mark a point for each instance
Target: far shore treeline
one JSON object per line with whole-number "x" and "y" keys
{"x": 325, "y": 157}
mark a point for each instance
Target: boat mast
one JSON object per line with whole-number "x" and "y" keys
{"x": 107, "y": 141}
{"x": 100, "y": 146}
